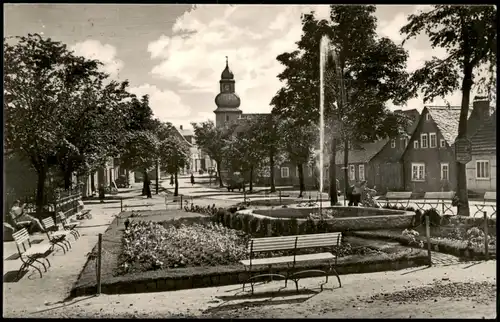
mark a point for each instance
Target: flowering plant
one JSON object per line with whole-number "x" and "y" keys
{"x": 149, "y": 246}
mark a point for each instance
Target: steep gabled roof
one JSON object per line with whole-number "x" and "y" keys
{"x": 362, "y": 155}
{"x": 446, "y": 119}
{"x": 485, "y": 139}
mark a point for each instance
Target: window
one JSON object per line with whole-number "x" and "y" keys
{"x": 442, "y": 143}
{"x": 427, "y": 117}
{"x": 352, "y": 172}
{"x": 285, "y": 172}
{"x": 417, "y": 172}
{"x": 423, "y": 140}
{"x": 404, "y": 142}
{"x": 297, "y": 171}
{"x": 310, "y": 171}
{"x": 361, "y": 170}
{"x": 393, "y": 144}
{"x": 432, "y": 140}
{"x": 415, "y": 144}
{"x": 445, "y": 171}
{"x": 483, "y": 169}
{"x": 227, "y": 118}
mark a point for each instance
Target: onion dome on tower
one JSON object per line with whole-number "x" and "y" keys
{"x": 227, "y": 101}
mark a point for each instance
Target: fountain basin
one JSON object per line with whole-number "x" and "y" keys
{"x": 264, "y": 222}
{"x": 337, "y": 211}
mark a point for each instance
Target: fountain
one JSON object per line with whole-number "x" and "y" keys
{"x": 345, "y": 218}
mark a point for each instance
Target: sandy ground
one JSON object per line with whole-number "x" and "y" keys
{"x": 357, "y": 298}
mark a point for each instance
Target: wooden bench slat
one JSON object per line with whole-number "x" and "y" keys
{"x": 398, "y": 195}
{"x": 291, "y": 244}
{"x": 439, "y": 195}
{"x": 490, "y": 196}
{"x": 288, "y": 259}
{"x": 21, "y": 236}
{"x": 292, "y": 237}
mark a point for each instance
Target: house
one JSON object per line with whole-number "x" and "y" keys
{"x": 359, "y": 167}
{"x": 482, "y": 169}
{"x": 386, "y": 168}
{"x": 429, "y": 159}
{"x": 198, "y": 160}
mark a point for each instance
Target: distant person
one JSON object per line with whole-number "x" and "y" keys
{"x": 355, "y": 197}
{"x": 192, "y": 179}
{"x": 102, "y": 192}
{"x": 171, "y": 179}
{"x": 148, "y": 188}
{"x": 19, "y": 217}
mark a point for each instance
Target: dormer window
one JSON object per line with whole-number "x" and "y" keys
{"x": 427, "y": 117}
{"x": 393, "y": 143}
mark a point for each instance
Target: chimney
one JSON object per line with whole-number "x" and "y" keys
{"x": 180, "y": 126}
{"x": 481, "y": 107}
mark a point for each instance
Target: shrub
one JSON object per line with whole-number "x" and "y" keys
{"x": 235, "y": 220}
{"x": 293, "y": 226}
{"x": 254, "y": 225}
{"x": 227, "y": 219}
{"x": 277, "y": 227}
{"x": 434, "y": 217}
{"x": 321, "y": 226}
{"x": 263, "y": 227}
{"x": 310, "y": 226}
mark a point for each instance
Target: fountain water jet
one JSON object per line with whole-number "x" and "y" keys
{"x": 324, "y": 47}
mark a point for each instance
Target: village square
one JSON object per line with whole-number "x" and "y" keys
{"x": 237, "y": 161}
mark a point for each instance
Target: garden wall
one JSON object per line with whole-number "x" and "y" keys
{"x": 337, "y": 211}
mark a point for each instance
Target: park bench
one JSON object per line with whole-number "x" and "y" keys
{"x": 28, "y": 253}
{"x": 71, "y": 227}
{"x": 489, "y": 200}
{"x": 56, "y": 237}
{"x": 294, "y": 243}
{"x": 434, "y": 199}
{"x": 82, "y": 212}
{"x": 398, "y": 197}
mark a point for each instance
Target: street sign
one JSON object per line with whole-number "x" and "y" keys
{"x": 463, "y": 150}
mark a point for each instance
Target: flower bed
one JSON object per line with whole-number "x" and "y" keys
{"x": 155, "y": 246}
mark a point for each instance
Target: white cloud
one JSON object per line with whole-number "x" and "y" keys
{"x": 166, "y": 105}
{"x": 252, "y": 37}
{"x": 94, "y": 49}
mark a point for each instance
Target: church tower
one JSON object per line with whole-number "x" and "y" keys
{"x": 227, "y": 101}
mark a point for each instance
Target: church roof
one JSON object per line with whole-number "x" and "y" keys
{"x": 227, "y": 73}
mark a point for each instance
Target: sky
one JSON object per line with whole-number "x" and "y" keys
{"x": 176, "y": 53}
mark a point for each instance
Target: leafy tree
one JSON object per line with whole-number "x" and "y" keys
{"x": 469, "y": 35}
{"x": 173, "y": 151}
{"x": 372, "y": 67}
{"x": 298, "y": 144}
{"x": 42, "y": 79}
{"x": 96, "y": 124}
{"x": 212, "y": 140}
{"x": 141, "y": 154}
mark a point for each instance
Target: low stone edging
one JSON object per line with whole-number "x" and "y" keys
{"x": 236, "y": 274}
{"x": 437, "y": 246}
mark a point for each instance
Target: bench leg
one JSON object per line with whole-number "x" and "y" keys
{"x": 43, "y": 264}
{"x": 54, "y": 243}
{"x": 338, "y": 277}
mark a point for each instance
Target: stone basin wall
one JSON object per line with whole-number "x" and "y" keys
{"x": 264, "y": 226}
{"x": 338, "y": 212}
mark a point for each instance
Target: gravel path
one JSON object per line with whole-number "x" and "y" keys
{"x": 465, "y": 290}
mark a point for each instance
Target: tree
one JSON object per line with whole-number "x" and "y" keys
{"x": 212, "y": 140}
{"x": 372, "y": 67}
{"x": 174, "y": 155}
{"x": 298, "y": 144}
{"x": 96, "y": 124}
{"x": 141, "y": 154}
{"x": 42, "y": 79}
{"x": 469, "y": 35}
